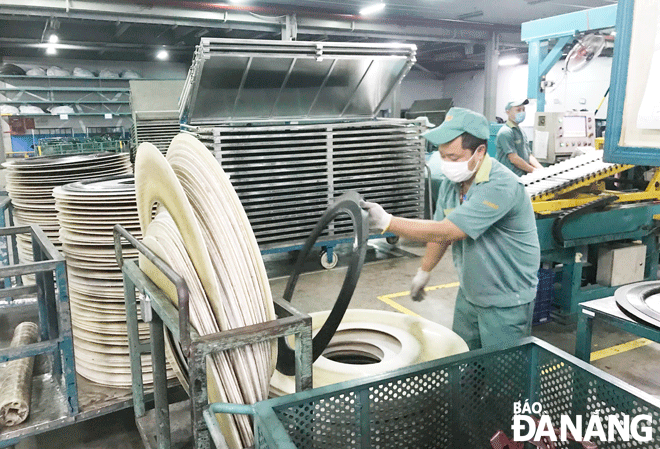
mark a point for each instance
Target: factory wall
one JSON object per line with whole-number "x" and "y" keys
{"x": 418, "y": 85}
{"x": 467, "y": 89}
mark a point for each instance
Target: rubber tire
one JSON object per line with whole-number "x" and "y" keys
{"x": 325, "y": 263}
{"x": 348, "y": 203}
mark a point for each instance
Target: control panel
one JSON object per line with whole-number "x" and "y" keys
{"x": 558, "y": 135}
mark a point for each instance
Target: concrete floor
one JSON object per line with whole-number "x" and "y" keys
{"x": 387, "y": 270}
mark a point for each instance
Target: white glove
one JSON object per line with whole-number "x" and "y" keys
{"x": 378, "y": 218}
{"x": 420, "y": 280}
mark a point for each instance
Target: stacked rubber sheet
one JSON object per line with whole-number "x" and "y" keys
{"x": 202, "y": 232}
{"x": 87, "y": 212}
{"x": 559, "y": 176}
{"x": 30, "y": 184}
{"x": 293, "y": 125}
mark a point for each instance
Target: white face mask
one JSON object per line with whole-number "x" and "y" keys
{"x": 457, "y": 171}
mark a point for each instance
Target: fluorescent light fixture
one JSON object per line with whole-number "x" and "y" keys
{"x": 53, "y": 39}
{"x": 162, "y": 55}
{"x": 470, "y": 15}
{"x": 51, "y": 50}
{"x": 510, "y": 60}
{"x": 372, "y": 9}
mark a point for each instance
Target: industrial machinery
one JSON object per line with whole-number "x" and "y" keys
{"x": 557, "y": 135}
{"x": 578, "y": 215}
{"x": 293, "y": 125}
{"x": 587, "y": 204}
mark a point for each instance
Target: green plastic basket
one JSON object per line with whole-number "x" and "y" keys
{"x": 456, "y": 402}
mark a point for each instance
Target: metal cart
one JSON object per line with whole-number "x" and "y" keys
{"x": 155, "y": 425}
{"x": 293, "y": 125}
{"x": 459, "y": 401}
{"x": 59, "y": 397}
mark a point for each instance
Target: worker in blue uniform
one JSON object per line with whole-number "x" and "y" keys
{"x": 511, "y": 143}
{"x": 484, "y": 213}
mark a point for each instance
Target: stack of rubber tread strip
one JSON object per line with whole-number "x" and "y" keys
{"x": 201, "y": 230}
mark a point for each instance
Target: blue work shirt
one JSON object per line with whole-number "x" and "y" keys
{"x": 497, "y": 263}
{"x": 511, "y": 139}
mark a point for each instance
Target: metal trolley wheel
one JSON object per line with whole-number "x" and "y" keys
{"x": 329, "y": 264}
{"x": 348, "y": 203}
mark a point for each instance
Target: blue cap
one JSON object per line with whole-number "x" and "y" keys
{"x": 459, "y": 121}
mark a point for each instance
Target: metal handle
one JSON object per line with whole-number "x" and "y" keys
{"x": 179, "y": 283}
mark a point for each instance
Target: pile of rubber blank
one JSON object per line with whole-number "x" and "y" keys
{"x": 87, "y": 212}
{"x": 202, "y": 232}
{"x": 30, "y": 184}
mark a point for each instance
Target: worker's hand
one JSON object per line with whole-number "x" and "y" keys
{"x": 420, "y": 280}
{"x": 378, "y": 218}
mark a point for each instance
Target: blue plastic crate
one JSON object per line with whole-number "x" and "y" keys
{"x": 545, "y": 292}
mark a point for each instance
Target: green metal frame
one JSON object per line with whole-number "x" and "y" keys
{"x": 538, "y": 33}
{"x": 561, "y": 382}
{"x": 620, "y": 64}
{"x": 585, "y": 323}
{"x": 585, "y": 234}
{"x": 56, "y": 337}
{"x": 160, "y": 312}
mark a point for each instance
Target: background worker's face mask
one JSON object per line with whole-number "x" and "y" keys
{"x": 458, "y": 171}
{"x": 520, "y": 117}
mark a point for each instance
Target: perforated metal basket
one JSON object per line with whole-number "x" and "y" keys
{"x": 456, "y": 402}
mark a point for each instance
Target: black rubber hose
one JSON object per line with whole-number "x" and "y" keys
{"x": 572, "y": 214}
{"x": 348, "y": 203}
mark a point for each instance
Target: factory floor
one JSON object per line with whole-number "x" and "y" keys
{"x": 388, "y": 270}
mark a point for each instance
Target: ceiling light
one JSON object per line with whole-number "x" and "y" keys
{"x": 162, "y": 55}
{"x": 470, "y": 15}
{"x": 51, "y": 50}
{"x": 53, "y": 39}
{"x": 372, "y": 9}
{"x": 510, "y": 60}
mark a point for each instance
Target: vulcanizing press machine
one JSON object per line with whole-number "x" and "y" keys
{"x": 578, "y": 219}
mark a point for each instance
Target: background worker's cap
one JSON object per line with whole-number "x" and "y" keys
{"x": 459, "y": 121}
{"x": 513, "y": 104}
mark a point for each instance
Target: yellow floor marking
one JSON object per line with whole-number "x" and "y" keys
{"x": 388, "y": 299}
{"x": 596, "y": 355}
{"x": 618, "y": 349}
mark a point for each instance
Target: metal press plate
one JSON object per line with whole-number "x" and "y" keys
{"x": 233, "y": 80}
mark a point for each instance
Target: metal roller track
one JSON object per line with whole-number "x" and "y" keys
{"x": 562, "y": 175}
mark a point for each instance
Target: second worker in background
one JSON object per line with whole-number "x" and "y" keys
{"x": 511, "y": 143}
{"x": 484, "y": 213}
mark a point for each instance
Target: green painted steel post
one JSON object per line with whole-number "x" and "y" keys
{"x": 652, "y": 254}
{"x": 160, "y": 382}
{"x": 137, "y": 385}
{"x": 198, "y": 396}
{"x": 304, "y": 380}
{"x": 364, "y": 417}
{"x": 583, "y": 335}
{"x": 65, "y": 344}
